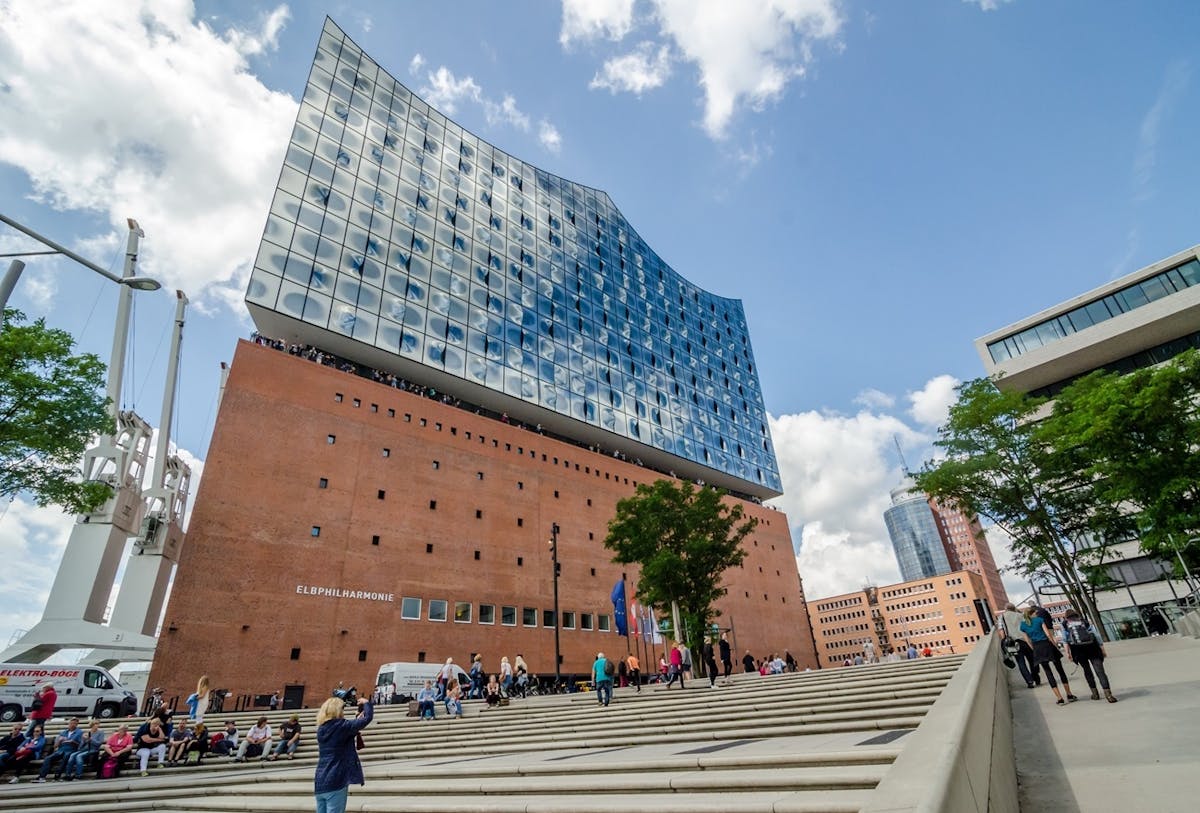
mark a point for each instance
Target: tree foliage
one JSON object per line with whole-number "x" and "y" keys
{"x": 52, "y": 405}
{"x": 1002, "y": 464}
{"x": 684, "y": 539}
{"x": 1138, "y": 438}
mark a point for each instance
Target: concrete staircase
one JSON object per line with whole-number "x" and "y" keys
{"x": 818, "y": 741}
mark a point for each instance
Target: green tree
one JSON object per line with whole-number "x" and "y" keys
{"x": 684, "y": 539}
{"x": 1002, "y": 464}
{"x": 1138, "y": 437}
{"x": 52, "y": 405}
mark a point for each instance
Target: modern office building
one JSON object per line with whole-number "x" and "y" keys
{"x": 1139, "y": 320}
{"x": 947, "y": 613}
{"x": 914, "y": 532}
{"x": 475, "y": 352}
{"x": 967, "y": 548}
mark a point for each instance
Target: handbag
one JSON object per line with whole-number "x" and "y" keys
{"x": 36, "y": 704}
{"x": 359, "y": 743}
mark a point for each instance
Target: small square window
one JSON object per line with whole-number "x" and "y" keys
{"x": 476, "y": 556}
{"x": 436, "y": 465}
{"x": 520, "y": 561}
{"x": 605, "y": 622}
{"x": 433, "y": 505}
{"x": 568, "y": 620}
{"x": 547, "y": 618}
{"x": 520, "y": 486}
{"x": 438, "y": 426}
{"x": 374, "y": 407}
{"x": 387, "y": 452}
{"x": 410, "y": 609}
{"x": 362, "y": 655}
{"x": 478, "y": 513}
{"x": 375, "y": 539}
{"x": 478, "y": 475}
{"x": 593, "y": 571}
{"x": 407, "y": 417}
{"x": 316, "y": 530}
{"x": 508, "y": 616}
{"x": 357, "y": 403}
{"x": 429, "y": 547}
{"x": 520, "y": 522}
{"x": 331, "y": 439}
{"x": 424, "y": 422}
{"x": 295, "y": 653}
{"x": 585, "y": 621}
{"x": 529, "y": 616}
{"x": 591, "y": 535}
{"x": 391, "y": 413}
{"x": 337, "y": 396}
{"x": 462, "y": 612}
{"x": 323, "y": 482}
{"x": 381, "y": 494}
{"x": 589, "y": 501}
{"x": 487, "y": 613}
{"x": 437, "y": 609}
{"x": 556, "y": 493}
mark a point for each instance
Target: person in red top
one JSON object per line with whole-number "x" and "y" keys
{"x": 118, "y": 749}
{"x": 43, "y": 705}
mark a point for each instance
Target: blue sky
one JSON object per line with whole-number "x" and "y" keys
{"x": 880, "y": 183}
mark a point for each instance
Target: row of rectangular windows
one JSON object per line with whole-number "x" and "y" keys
{"x": 1126, "y": 299}
{"x": 439, "y": 609}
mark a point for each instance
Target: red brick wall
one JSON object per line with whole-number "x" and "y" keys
{"x": 234, "y": 611}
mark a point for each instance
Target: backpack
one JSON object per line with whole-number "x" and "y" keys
{"x": 609, "y": 669}
{"x": 1079, "y": 633}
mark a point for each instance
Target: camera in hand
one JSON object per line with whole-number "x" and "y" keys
{"x": 347, "y": 696}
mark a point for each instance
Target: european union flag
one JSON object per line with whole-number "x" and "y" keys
{"x": 618, "y": 600}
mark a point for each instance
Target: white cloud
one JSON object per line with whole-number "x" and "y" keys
{"x": 1173, "y": 87}
{"x": 931, "y": 404}
{"x": 746, "y": 52}
{"x": 988, "y": 5}
{"x": 145, "y": 111}
{"x": 266, "y": 38}
{"x": 448, "y": 92}
{"x": 593, "y": 19}
{"x": 418, "y": 62}
{"x": 549, "y": 136}
{"x": 1001, "y": 544}
{"x": 32, "y": 540}
{"x": 644, "y": 68}
{"x": 874, "y": 399}
{"x": 838, "y": 472}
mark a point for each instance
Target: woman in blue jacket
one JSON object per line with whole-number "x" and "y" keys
{"x": 337, "y": 760}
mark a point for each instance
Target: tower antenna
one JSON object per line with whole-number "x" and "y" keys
{"x": 900, "y": 453}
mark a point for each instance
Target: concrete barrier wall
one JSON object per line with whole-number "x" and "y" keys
{"x": 961, "y": 757}
{"x": 1189, "y": 624}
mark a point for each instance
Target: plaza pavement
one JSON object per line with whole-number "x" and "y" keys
{"x": 1141, "y": 754}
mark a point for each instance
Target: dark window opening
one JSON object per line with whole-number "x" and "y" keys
{"x": 362, "y": 654}
{"x": 375, "y": 539}
{"x": 295, "y": 653}
{"x": 429, "y": 547}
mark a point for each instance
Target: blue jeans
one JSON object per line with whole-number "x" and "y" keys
{"x": 76, "y": 761}
{"x": 604, "y": 691}
{"x": 333, "y": 801}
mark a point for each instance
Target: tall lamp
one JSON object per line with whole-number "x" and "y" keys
{"x": 554, "y": 559}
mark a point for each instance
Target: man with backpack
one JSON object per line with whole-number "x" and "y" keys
{"x": 1084, "y": 648}
{"x": 603, "y": 671}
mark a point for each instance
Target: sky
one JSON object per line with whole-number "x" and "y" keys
{"x": 880, "y": 183}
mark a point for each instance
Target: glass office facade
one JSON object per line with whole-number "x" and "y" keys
{"x": 915, "y": 538}
{"x": 394, "y": 227}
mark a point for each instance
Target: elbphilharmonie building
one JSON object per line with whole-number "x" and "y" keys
{"x": 458, "y": 357}
{"x": 399, "y": 238}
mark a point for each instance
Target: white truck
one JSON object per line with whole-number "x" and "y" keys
{"x": 409, "y": 678}
{"x": 84, "y": 691}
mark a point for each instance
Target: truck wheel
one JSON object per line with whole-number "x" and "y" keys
{"x": 107, "y": 711}
{"x": 11, "y": 714}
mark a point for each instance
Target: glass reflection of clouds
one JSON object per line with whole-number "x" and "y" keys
{"x": 394, "y": 227}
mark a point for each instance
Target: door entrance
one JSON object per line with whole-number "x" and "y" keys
{"x": 293, "y": 696}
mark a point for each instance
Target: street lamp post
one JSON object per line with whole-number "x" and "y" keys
{"x": 1191, "y": 583}
{"x": 557, "y": 651}
{"x": 127, "y": 279}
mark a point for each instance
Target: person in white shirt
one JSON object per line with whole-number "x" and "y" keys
{"x": 259, "y": 735}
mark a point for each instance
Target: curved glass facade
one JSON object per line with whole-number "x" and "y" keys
{"x": 395, "y": 228}
{"x": 914, "y": 534}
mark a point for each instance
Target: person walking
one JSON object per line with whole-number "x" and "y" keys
{"x": 676, "y": 667}
{"x": 1010, "y": 629}
{"x": 726, "y": 654}
{"x": 603, "y": 672}
{"x": 748, "y": 663}
{"x": 635, "y": 671}
{"x": 337, "y": 755}
{"x": 197, "y": 702}
{"x": 710, "y": 664}
{"x": 1033, "y": 627}
{"x": 1085, "y": 648}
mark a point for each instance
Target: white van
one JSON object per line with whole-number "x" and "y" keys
{"x": 409, "y": 678}
{"x": 84, "y": 691}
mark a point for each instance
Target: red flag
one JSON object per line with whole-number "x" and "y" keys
{"x": 633, "y": 618}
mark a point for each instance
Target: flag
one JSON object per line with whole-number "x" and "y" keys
{"x": 619, "y": 616}
{"x": 633, "y": 618}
